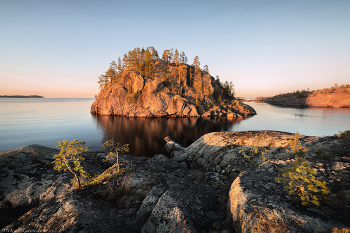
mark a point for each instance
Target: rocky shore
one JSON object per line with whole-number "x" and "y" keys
{"x": 291, "y": 101}
{"x": 329, "y": 98}
{"x": 211, "y": 186}
{"x": 153, "y": 99}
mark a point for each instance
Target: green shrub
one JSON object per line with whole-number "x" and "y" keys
{"x": 71, "y": 153}
{"x": 297, "y": 149}
{"x": 345, "y": 133}
{"x": 300, "y": 182}
{"x": 115, "y": 148}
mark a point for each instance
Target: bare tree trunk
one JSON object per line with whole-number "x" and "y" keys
{"x": 75, "y": 174}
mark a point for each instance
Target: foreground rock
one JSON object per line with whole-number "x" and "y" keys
{"x": 152, "y": 195}
{"x": 224, "y": 152}
{"x": 28, "y": 180}
{"x": 260, "y": 204}
{"x": 214, "y": 185}
{"x": 257, "y": 202}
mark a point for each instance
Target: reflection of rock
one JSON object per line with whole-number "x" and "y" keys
{"x": 145, "y": 135}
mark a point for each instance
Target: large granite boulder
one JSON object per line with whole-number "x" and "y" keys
{"x": 28, "y": 179}
{"x": 225, "y": 152}
{"x": 258, "y": 203}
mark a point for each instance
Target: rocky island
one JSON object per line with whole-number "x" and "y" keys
{"x": 223, "y": 182}
{"x": 334, "y": 97}
{"x": 144, "y": 85}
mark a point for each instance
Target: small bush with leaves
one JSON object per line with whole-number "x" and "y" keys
{"x": 71, "y": 153}
{"x": 300, "y": 182}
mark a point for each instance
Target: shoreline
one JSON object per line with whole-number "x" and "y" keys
{"x": 327, "y": 98}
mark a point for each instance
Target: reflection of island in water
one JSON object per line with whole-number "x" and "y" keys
{"x": 145, "y": 136}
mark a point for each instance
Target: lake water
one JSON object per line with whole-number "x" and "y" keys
{"x": 47, "y": 121}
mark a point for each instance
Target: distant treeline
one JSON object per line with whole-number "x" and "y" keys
{"x": 301, "y": 94}
{"x": 21, "y": 96}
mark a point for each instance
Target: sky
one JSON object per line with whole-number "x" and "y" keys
{"x": 59, "y": 48}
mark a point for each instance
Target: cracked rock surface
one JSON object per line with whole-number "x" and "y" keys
{"x": 210, "y": 186}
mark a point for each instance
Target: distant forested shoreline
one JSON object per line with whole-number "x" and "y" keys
{"x": 21, "y": 96}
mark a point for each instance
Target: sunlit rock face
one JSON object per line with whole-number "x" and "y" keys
{"x": 340, "y": 98}
{"x": 132, "y": 95}
{"x": 257, "y": 202}
{"x": 327, "y": 98}
{"x": 224, "y": 152}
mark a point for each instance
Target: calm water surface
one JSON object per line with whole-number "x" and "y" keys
{"x": 47, "y": 121}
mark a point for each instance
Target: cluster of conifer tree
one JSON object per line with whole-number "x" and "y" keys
{"x": 143, "y": 61}
{"x": 227, "y": 88}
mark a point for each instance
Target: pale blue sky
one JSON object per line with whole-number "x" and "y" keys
{"x": 59, "y": 48}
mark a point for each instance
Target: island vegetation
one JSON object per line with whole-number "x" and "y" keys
{"x": 148, "y": 64}
{"x": 145, "y": 84}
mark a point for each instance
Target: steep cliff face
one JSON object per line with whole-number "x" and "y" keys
{"x": 173, "y": 91}
{"x": 136, "y": 96}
